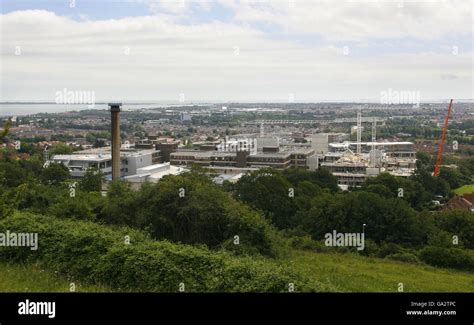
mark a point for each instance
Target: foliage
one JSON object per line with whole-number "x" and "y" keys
{"x": 268, "y": 190}
{"x": 447, "y": 257}
{"x": 55, "y": 173}
{"x": 33, "y": 278}
{"x": 92, "y": 180}
{"x": 387, "y": 220}
{"x": 320, "y": 177}
{"x": 100, "y": 254}
{"x": 355, "y": 273}
{"x": 404, "y": 257}
{"x": 465, "y": 189}
{"x": 60, "y": 149}
{"x": 459, "y": 223}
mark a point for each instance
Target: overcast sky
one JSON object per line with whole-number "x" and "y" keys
{"x": 236, "y": 50}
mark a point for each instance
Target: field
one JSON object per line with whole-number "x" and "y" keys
{"x": 31, "y": 278}
{"x": 466, "y": 189}
{"x": 352, "y": 273}
{"x": 342, "y": 272}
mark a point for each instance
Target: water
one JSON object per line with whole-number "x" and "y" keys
{"x": 17, "y": 109}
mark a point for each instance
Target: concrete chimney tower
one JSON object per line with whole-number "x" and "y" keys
{"x": 115, "y": 115}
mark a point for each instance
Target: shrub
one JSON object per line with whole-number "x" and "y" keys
{"x": 389, "y": 249}
{"x": 190, "y": 209}
{"x": 459, "y": 223}
{"x": 307, "y": 243}
{"x": 404, "y": 257}
{"x": 447, "y": 257}
{"x": 98, "y": 254}
{"x": 370, "y": 248}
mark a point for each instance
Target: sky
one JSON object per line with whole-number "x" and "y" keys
{"x": 236, "y": 50}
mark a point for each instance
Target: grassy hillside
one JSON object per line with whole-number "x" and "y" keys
{"x": 93, "y": 253}
{"x": 344, "y": 273}
{"x": 466, "y": 189}
{"x": 31, "y": 278}
{"x": 352, "y": 273}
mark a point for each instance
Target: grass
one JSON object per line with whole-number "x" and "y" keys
{"x": 353, "y": 273}
{"x": 342, "y": 272}
{"x": 465, "y": 189}
{"x": 32, "y": 278}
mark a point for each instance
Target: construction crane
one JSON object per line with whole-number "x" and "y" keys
{"x": 359, "y": 131}
{"x": 440, "y": 151}
{"x": 374, "y": 138}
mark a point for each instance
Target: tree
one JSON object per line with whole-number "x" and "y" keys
{"x": 390, "y": 186}
{"x": 321, "y": 177}
{"x": 60, "y": 149}
{"x": 387, "y": 220}
{"x": 82, "y": 206}
{"x": 55, "y": 173}
{"x": 190, "y": 209}
{"x": 267, "y": 190}
{"x": 92, "y": 180}
{"x": 6, "y": 129}
{"x": 11, "y": 174}
{"x": 459, "y": 223}
{"x": 122, "y": 205}
{"x": 423, "y": 161}
{"x": 453, "y": 177}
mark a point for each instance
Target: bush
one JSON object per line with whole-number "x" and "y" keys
{"x": 459, "y": 223}
{"x": 370, "y": 248}
{"x": 389, "y": 249}
{"x": 307, "y": 243}
{"x": 98, "y": 254}
{"x": 404, "y": 257}
{"x": 447, "y": 257}
{"x": 387, "y": 220}
{"x": 190, "y": 209}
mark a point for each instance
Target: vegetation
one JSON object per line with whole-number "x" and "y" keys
{"x": 238, "y": 237}
{"x": 465, "y": 189}
{"x": 125, "y": 259}
{"x": 355, "y": 273}
{"x": 33, "y": 278}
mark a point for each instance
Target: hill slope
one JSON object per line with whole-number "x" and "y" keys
{"x": 352, "y": 273}
{"x": 32, "y": 278}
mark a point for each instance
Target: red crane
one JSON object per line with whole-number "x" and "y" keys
{"x": 440, "y": 151}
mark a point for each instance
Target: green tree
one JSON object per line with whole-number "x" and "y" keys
{"x": 387, "y": 220}
{"x": 122, "y": 205}
{"x": 321, "y": 177}
{"x": 92, "y": 180}
{"x": 453, "y": 177}
{"x": 267, "y": 190}
{"x": 458, "y": 223}
{"x": 55, "y": 173}
{"x": 60, "y": 149}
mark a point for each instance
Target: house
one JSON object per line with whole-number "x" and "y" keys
{"x": 465, "y": 202}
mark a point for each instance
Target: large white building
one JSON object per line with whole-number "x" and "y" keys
{"x": 101, "y": 158}
{"x": 153, "y": 173}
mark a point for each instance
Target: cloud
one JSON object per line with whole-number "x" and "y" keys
{"x": 359, "y": 19}
{"x": 448, "y": 77}
{"x": 156, "y": 57}
{"x": 175, "y": 6}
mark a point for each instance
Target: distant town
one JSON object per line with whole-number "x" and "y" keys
{"x": 353, "y": 141}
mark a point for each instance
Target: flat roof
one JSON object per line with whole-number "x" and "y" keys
{"x": 342, "y": 144}
{"x": 83, "y": 157}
